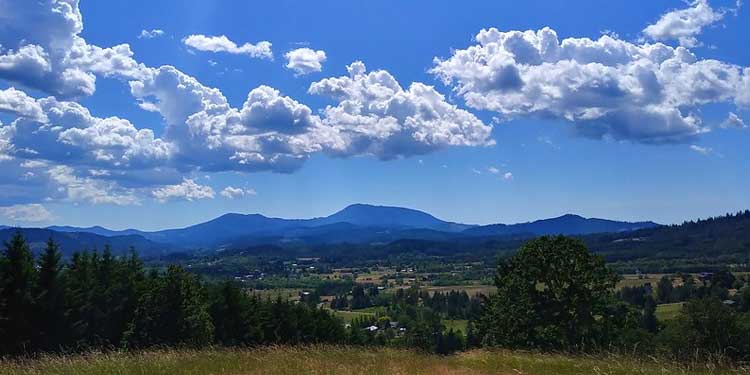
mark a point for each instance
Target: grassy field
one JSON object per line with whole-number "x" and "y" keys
{"x": 348, "y": 316}
{"x": 668, "y": 311}
{"x": 456, "y": 325}
{"x": 336, "y": 360}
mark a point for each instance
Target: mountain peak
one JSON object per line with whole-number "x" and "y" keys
{"x": 368, "y": 215}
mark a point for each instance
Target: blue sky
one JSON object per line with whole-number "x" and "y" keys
{"x": 632, "y": 112}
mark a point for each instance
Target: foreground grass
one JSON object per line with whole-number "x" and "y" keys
{"x": 343, "y": 360}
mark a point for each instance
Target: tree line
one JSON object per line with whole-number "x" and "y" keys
{"x": 552, "y": 295}
{"x": 99, "y": 301}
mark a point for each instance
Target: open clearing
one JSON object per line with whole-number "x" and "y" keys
{"x": 343, "y": 360}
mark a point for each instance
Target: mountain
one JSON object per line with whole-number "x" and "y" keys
{"x": 566, "y": 224}
{"x": 366, "y": 215}
{"x": 357, "y": 224}
{"x": 96, "y": 230}
{"x": 224, "y": 228}
{"x": 71, "y": 242}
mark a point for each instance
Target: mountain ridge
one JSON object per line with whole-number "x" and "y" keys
{"x": 356, "y": 223}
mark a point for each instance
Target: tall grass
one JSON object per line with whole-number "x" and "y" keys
{"x": 344, "y": 360}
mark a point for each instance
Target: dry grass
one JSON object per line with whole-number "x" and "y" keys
{"x": 343, "y": 360}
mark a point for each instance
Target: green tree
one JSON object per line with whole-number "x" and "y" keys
{"x": 234, "y": 315}
{"x": 664, "y": 290}
{"x": 16, "y": 296}
{"x": 549, "y": 296}
{"x": 705, "y": 328}
{"x": 50, "y": 318}
{"x": 172, "y": 311}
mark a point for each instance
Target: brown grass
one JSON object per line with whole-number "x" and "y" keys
{"x": 345, "y": 360}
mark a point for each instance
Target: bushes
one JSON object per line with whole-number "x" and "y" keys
{"x": 707, "y": 329}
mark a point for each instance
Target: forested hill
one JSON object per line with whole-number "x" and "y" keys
{"x": 71, "y": 242}
{"x": 727, "y": 235}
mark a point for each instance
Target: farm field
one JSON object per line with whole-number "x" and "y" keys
{"x": 668, "y": 311}
{"x": 346, "y": 360}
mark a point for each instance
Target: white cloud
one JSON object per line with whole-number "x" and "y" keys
{"x": 269, "y": 132}
{"x": 34, "y": 164}
{"x": 684, "y": 25}
{"x": 41, "y": 49}
{"x": 18, "y": 103}
{"x": 150, "y": 34}
{"x": 67, "y": 132}
{"x": 89, "y": 190}
{"x": 187, "y": 190}
{"x": 27, "y": 213}
{"x": 707, "y": 151}
{"x": 496, "y": 171}
{"x": 607, "y": 88}
{"x": 233, "y": 192}
{"x": 376, "y": 116}
{"x": 222, "y": 44}
{"x": 733, "y": 121}
{"x": 305, "y": 60}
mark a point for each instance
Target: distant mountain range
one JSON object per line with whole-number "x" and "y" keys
{"x": 356, "y": 224}
{"x": 70, "y": 242}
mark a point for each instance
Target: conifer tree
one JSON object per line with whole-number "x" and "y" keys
{"x": 16, "y": 296}
{"x": 50, "y": 318}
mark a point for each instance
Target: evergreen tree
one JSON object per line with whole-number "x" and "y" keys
{"x": 50, "y": 318}
{"x": 16, "y": 297}
{"x": 172, "y": 311}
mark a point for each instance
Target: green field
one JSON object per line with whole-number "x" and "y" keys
{"x": 342, "y": 360}
{"x": 456, "y": 325}
{"x": 348, "y": 316}
{"x": 668, "y": 311}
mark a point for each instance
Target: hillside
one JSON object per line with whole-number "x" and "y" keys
{"x": 71, "y": 242}
{"x": 727, "y": 235}
{"x": 566, "y": 224}
{"x": 342, "y": 360}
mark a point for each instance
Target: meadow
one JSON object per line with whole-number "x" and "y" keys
{"x": 347, "y": 360}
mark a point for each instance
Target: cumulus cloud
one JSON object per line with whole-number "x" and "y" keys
{"x": 150, "y": 34}
{"x": 269, "y": 132}
{"x": 41, "y": 49}
{"x": 235, "y": 192}
{"x": 223, "y": 44}
{"x": 18, "y": 103}
{"x": 684, "y": 25}
{"x": 305, "y": 60}
{"x": 607, "y": 88}
{"x": 26, "y": 213}
{"x": 84, "y": 189}
{"x": 376, "y": 116}
{"x": 66, "y": 132}
{"x": 187, "y": 190}
{"x": 508, "y": 176}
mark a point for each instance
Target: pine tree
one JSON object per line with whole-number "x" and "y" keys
{"x": 50, "y": 315}
{"x": 16, "y": 296}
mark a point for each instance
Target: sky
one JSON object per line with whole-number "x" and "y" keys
{"x": 151, "y": 115}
